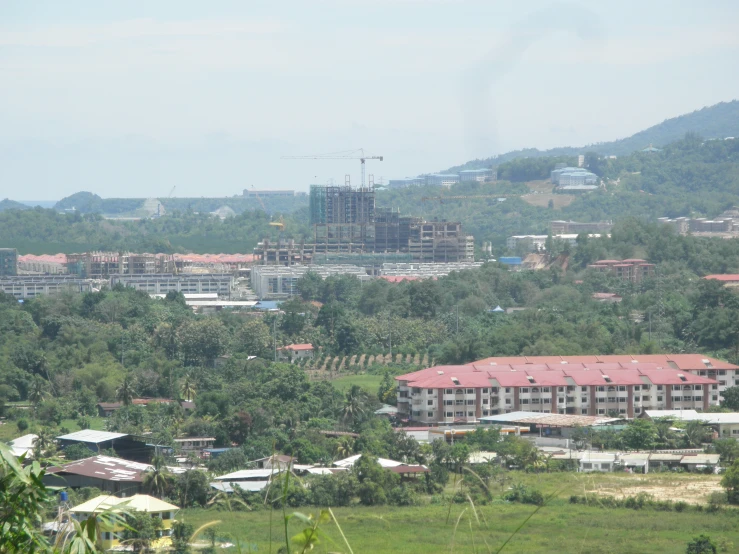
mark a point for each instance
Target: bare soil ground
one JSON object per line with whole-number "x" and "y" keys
{"x": 690, "y": 488}
{"x": 541, "y": 194}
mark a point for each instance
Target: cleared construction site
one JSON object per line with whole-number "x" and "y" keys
{"x": 347, "y": 227}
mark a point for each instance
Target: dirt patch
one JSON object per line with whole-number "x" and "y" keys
{"x": 542, "y": 200}
{"x": 693, "y": 490}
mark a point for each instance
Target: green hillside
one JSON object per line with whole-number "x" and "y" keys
{"x": 717, "y": 121}
{"x": 12, "y": 205}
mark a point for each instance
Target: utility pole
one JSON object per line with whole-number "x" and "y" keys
{"x": 274, "y": 335}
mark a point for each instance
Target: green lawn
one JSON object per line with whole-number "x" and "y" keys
{"x": 370, "y": 383}
{"x": 9, "y": 430}
{"x": 558, "y": 527}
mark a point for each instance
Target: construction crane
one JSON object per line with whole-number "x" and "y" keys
{"x": 258, "y": 198}
{"x": 171, "y": 192}
{"x": 279, "y": 223}
{"x": 343, "y": 155}
{"x": 441, "y": 199}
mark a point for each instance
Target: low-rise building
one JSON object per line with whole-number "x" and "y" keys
{"x": 122, "y": 444}
{"x": 579, "y": 385}
{"x": 113, "y": 475}
{"x": 194, "y": 444}
{"x": 112, "y": 529}
{"x": 295, "y": 352}
{"x": 728, "y": 280}
{"x": 633, "y": 269}
{"x": 31, "y": 286}
{"x": 190, "y": 283}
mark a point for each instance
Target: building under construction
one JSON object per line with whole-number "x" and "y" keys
{"x": 346, "y": 223}
{"x": 99, "y": 265}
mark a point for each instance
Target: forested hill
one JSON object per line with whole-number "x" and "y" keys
{"x": 688, "y": 177}
{"x": 717, "y": 121}
{"x": 12, "y": 205}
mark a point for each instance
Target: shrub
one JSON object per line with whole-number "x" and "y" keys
{"x": 574, "y": 499}
{"x": 680, "y": 506}
{"x": 22, "y": 425}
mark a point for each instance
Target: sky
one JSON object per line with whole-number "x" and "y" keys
{"x": 137, "y": 98}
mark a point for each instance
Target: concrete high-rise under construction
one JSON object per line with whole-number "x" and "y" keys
{"x": 346, "y": 222}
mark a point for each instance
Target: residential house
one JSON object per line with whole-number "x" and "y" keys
{"x": 596, "y": 461}
{"x": 295, "y": 352}
{"x": 112, "y": 529}
{"x": 113, "y": 475}
{"x": 194, "y": 444}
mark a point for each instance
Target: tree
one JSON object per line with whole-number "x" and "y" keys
{"x": 141, "y": 530}
{"x": 191, "y": 488}
{"x": 158, "y": 480}
{"x": 730, "y": 481}
{"x": 188, "y": 390}
{"x": 701, "y": 545}
{"x": 181, "y": 533}
{"x": 77, "y": 451}
{"x": 728, "y": 449}
{"x": 37, "y": 391}
{"x": 640, "y": 434}
{"x": 694, "y": 433}
{"x": 125, "y": 391}
{"x": 731, "y": 398}
{"x": 355, "y": 403}
{"x": 202, "y": 340}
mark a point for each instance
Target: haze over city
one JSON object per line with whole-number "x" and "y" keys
{"x": 131, "y": 99}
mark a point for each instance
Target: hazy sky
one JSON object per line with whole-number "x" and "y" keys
{"x": 132, "y": 98}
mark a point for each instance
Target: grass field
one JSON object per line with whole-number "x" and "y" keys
{"x": 541, "y": 194}
{"x": 557, "y": 527}
{"x": 370, "y": 383}
{"x": 9, "y": 431}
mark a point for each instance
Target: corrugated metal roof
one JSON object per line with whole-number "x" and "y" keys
{"x": 105, "y": 468}
{"x": 88, "y": 435}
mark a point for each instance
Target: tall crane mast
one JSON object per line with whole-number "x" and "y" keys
{"x": 343, "y": 155}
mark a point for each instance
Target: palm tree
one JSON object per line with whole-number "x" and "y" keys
{"x": 126, "y": 392}
{"x": 37, "y": 390}
{"x": 158, "y": 479}
{"x": 344, "y": 448}
{"x": 354, "y": 404}
{"x": 188, "y": 390}
{"x": 694, "y": 433}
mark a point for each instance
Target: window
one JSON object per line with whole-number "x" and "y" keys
{"x": 584, "y": 412}
{"x": 677, "y": 398}
{"x": 470, "y": 402}
{"x": 561, "y": 389}
{"x": 636, "y": 387}
{"x": 485, "y": 412}
{"x": 450, "y": 414}
{"x": 584, "y": 400}
{"x": 714, "y": 387}
{"x": 621, "y": 388}
{"x": 722, "y": 383}
{"x": 600, "y": 400}
{"x": 448, "y": 402}
{"x": 714, "y": 397}
{"x": 698, "y": 398}
{"x": 470, "y": 391}
{"x": 484, "y": 391}
{"x": 166, "y": 515}
{"x": 586, "y": 465}
{"x": 535, "y": 390}
{"x": 722, "y": 372}
{"x": 459, "y": 402}
{"x": 698, "y": 387}
{"x": 494, "y": 390}
{"x": 601, "y": 389}
{"x": 524, "y": 401}
{"x": 622, "y": 399}
{"x": 449, "y": 391}
{"x": 524, "y": 390}
{"x": 459, "y": 414}
{"x": 601, "y": 411}
{"x": 622, "y": 410}
{"x": 659, "y": 399}
{"x": 637, "y": 410}
{"x": 430, "y": 414}
{"x": 612, "y": 399}
{"x": 507, "y": 400}
{"x": 547, "y": 400}
{"x": 645, "y": 398}
{"x": 584, "y": 389}
{"x": 659, "y": 387}
{"x": 535, "y": 400}
{"x": 485, "y": 400}
{"x": 430, "y": 402}
{"x": 508, "y": 389}
{"x": 545, "y": 389}
{"x": 470, "y": 414}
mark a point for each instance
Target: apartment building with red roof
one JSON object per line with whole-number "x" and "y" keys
{"x": 581, "y": 385}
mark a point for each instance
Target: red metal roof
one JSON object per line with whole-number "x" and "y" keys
{"x": 297, "y": 347}
{"x": 585, "y": 373}
{"x": 725, "y": 278}
{"x": 674, "y": 361}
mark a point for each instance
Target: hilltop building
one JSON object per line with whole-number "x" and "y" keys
{"x": 563, "y": 227}
{"x": 579, "y": 385}
{"x": 633, "y": 269}
{"x": 484, "y": 175}
{"x": 264, "y": 193}
{"x": 573, "y": 176}
{"x": 534, "y": 243}
{"x": 725, "y": 224}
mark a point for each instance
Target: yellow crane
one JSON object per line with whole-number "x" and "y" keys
{"x": 279, "y": 223}
{"x": 343, "y": 155}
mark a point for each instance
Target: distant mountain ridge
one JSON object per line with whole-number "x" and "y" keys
{"x": 12, "y": 205}
{"x": 718, "y": 121}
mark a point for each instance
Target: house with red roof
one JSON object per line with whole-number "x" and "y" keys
{"x": 728, "y": 280}
{"x": 295, "y": 352}
{"x": 578, "y": 385}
